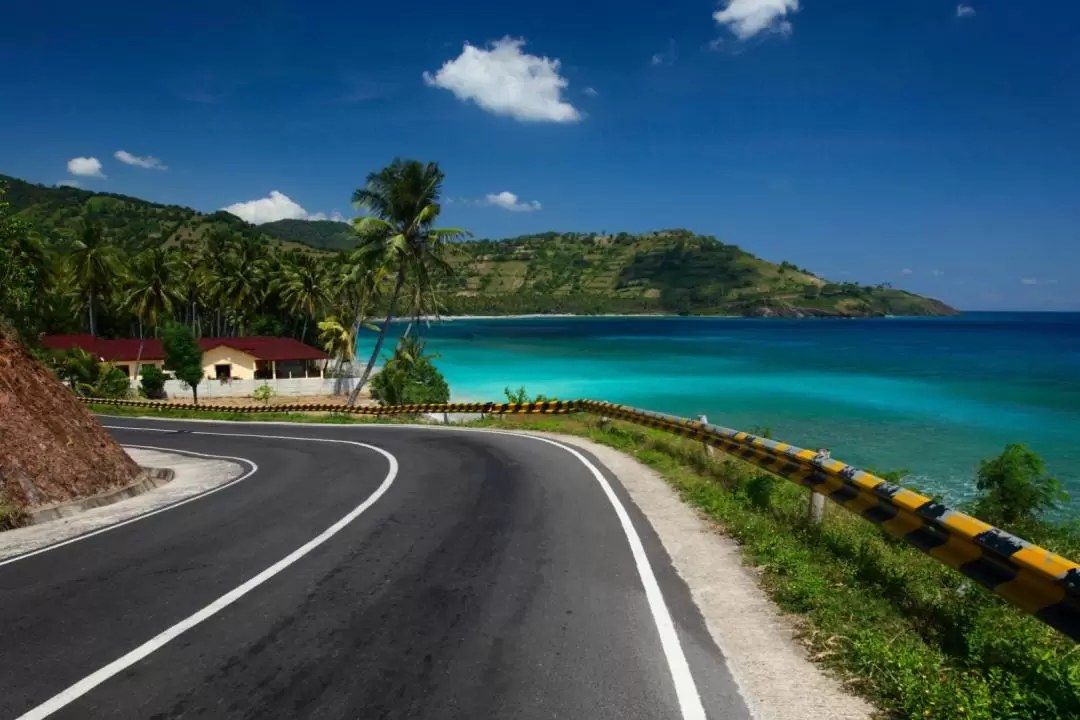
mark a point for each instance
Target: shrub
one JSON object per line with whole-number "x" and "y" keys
{"x": 521, "y": 396}
{"x": 409, "y": 377}
{"x": 1015, "y": 488}
{"x": 263, "y": 393}
{"x": 152, "y": 382}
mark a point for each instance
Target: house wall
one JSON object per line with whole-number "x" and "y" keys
{"x": 159, "y": 364}
{"x": 243, "y": 365}
{"x": 179, "y": 392}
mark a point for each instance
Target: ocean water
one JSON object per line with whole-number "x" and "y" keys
{"x": 929, "y": 395}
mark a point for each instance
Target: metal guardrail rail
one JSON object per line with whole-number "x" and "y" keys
{"x": 1034, "y": 579}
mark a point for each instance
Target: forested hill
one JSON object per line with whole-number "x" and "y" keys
{"x": 672, "y": 271}
{"x": 129, "y": 222}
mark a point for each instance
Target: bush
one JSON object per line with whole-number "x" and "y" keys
{"x": 410, "y": 377}
{"x": 263, "y": 393}
{"x": 152, "y": 383}
{"x": 521, "y": 396}
{"x": 1015, "y": 488}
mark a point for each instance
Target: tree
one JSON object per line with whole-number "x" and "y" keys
{"x": 95, "y": 266}
{"x": 304, "y": 288}
{"x": 402, "y": 202}
{"x": 183, "y": 356}
{"x": 22, "y": 269}
{"x": 1015, "y": 487}
{"x": 410, "y": 376}
{"x": 152, "y": 291}
{"x": 152, "y": 383}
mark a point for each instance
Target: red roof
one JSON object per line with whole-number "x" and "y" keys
{"x": 260, "y": 347}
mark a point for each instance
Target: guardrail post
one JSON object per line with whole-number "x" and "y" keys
{"x": 704, "y": 420}
{"x": 816, "y": 509}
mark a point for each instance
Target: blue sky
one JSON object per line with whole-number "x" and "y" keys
{"x": 928, "y": 143}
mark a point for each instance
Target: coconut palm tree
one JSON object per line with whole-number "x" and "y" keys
{"x": 94, "y": 264}
{"x": 402, "y": 202}
{"x": 152, "y": 291}
{"x": 304, "y": 288}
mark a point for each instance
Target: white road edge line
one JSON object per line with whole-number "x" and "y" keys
{"x": 178, "y": 503}
{"x": 685, "y": 687}
{"x": 91, "y": 681}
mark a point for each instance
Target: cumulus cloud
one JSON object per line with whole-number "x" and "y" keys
{"x": 85, "y": 167}
{"x": 509, "y": 201}
{"x": 150, "y": 162}
{"x": 747, "y": 18}
{"x": 276, "y": 206}
{"x": 963, "y": 10}
{"x": 506, "y": 81}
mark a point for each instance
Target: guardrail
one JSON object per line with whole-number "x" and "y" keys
{"x": 1034, "y": 579}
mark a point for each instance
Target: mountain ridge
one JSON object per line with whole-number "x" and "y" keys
{"x": 667, "y": 271}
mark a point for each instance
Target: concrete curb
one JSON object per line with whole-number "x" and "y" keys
{"x": 148, "y": 479}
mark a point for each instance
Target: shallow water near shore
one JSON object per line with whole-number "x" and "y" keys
{"x": 929, "y": 395}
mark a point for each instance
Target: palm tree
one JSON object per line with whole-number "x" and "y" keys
{"x": 304, "y": 288}
{"x": 152, "y": 291}
{"x": 95, "y": 265}
{"x": 402, "y": 202}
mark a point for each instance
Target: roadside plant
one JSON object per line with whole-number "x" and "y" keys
{"x": 262, "y": 394}
{"x": 183, "y": 356}
{"x": 409, "y": 377}
{"x": 1015, "y": 488}
{"x": 152, "y": 383}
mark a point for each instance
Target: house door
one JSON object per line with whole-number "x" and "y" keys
{"x": 223, "y": 372}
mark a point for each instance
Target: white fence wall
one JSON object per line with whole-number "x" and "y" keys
{"x": 243, "y": 388}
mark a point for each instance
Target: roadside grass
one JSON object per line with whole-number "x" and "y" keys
{"x": 896, "y": 626}
{"x": 232, "y": 415}
{"x": 908, "y": 633}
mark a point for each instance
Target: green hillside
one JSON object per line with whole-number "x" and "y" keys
{"x": 129, "y": 222}
{"x": 672, "y": 271}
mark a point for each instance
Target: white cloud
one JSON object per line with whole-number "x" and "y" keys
{"x": 505, "y": 81}
{"x": 747, "y": 18}
{"x": 906, "y": 271}
{"x": 509, "y": 201}
{"x": 335, "y": 216}
{"x": 591, "y": 92}
{"x": 276, "y": 206}
{"x": 963, "y": 10}
{"x": 68, "y": 183}
{"x": 1028, "y": 281}
{"x": 85, "y": 166}
{"x": 150, "y": 162}
{"x": 937, "y": 273}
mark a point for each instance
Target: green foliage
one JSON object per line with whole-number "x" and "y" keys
{"x": 409, "y": 377}
{"x": 183, "y": 356}
{"x": 263, "y": 393}
{"x": 152, "y": 382}
{"x": 1015, "y": 488}
{"x": 322, "y": 234}
{"x": 521, "y": 396}
{"x": 22, "y": 271}
{"x": 107, "y": 381}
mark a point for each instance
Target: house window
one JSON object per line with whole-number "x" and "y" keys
{"x": 223, "y": 372}
{"x": 126, "y": 370}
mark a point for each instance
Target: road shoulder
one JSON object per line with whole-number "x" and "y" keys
{"x": 777, "y": 679}
{"x": 193, "y": 475}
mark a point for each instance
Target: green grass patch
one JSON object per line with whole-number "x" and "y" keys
{"x": 232, "y": 415}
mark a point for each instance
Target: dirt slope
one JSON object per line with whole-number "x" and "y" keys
{"x": 51, "y": 448}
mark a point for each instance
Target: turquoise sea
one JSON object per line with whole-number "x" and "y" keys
{"x": 929, "y": 395}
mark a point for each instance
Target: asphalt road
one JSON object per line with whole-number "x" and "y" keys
{"x": 364, "y": 572}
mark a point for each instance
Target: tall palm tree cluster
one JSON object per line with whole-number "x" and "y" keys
{"x": 223, "y": 284}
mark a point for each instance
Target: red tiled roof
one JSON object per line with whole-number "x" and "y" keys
{"x": 260, "y": 347}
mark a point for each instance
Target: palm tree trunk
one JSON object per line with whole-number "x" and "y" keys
{"x": 379, "y": 342}
{"x": 90, "y": 298}
{"x": 138, "y": 356}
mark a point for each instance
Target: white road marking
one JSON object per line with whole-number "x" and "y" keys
{"x": 88, "y": 683}
{"x": 685, "y": 687}
{"x": 185, "y": 501}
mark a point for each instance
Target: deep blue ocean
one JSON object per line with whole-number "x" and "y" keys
{"x": 929, "y": 395}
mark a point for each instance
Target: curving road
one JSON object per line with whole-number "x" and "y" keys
{"x": 364, "y": 572}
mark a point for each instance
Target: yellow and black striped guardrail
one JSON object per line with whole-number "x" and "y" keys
{"x": 1034, "y": 579}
